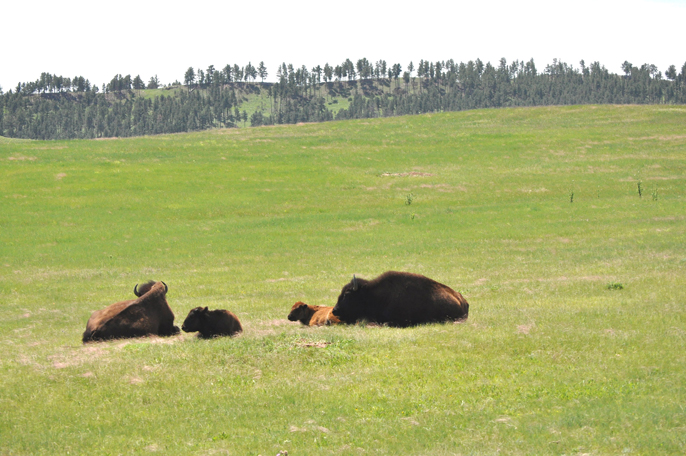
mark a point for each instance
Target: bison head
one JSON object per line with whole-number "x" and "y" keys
{"x": 195, "y": 319}
{"x": 146, "y": 287}
{"x": 298, "y": 311}
{"x": 349, "y": 307}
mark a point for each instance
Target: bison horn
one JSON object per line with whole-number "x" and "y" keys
{"x": 354, "y": 283}
{"x": 135, "y": 291}
{"x": 166, "y": 288}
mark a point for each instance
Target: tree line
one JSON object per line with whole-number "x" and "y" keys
{"x": 55, "y": 107}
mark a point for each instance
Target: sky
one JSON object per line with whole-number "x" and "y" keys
{"x": 98, "y": 40}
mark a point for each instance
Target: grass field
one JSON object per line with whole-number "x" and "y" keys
{"x": 576, "y": 337}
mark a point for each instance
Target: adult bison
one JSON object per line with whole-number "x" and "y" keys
{"x": 212, "y": 323}
{"x": 312, "y": 315}
{"x": 399, "y": 299}
{"x": 149, "y": 314}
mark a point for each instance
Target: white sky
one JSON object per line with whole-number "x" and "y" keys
{"x": 100, "y": 39}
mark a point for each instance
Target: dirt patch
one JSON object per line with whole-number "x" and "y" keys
{"x": 411, "y": 174}
{"x": 152, "y": 339}
{"x": 668, "y": 219}
{"x": 412, "y": 421}
{"x": 26, "y": 361}
{"x": 60, "y": 176}
{"x": 76, "y": 357}
{"x": 315, "y": 344}
{"x": 22, "y": 158}
{"x": 165, "y": 340}
{"x": 526, "y": 329}
{"x": 661, "y": 138}
{"x": 279, "y": 322}
{"x": 444, "y": 188}
{"x": 360, "y": 226}
{"x": 263, "y": 332}
{"x": 665, "y": 178}
{"x": 655, "y": 178}
{"x": 558, "y": 279}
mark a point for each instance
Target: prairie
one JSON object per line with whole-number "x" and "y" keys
{"x": 576, "y": 336}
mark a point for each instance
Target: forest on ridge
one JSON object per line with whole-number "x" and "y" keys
{"x": 57, "y": 107}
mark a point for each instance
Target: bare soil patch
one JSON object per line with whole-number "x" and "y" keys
{"x": 315, "y": 344}
{"x": 411, "y": 174}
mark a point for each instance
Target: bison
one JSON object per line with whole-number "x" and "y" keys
{"x": 399, "y": 299}
{"x": 149, "y": 314}
{"x": 212, "y": 323}
{"x": 312, "y": 315}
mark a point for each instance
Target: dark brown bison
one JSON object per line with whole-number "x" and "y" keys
{"x": 212, "y": 323}
{"x": 399, "y": 299}
{"x": 312, "y": 315}
{"x": 149, "y": 314}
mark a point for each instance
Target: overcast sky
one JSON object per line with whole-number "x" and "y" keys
{"x": 100, "y": 39}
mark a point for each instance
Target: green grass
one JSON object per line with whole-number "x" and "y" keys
{"x": 154, "y": 93}
{"x": 550, "y": 361}
{"x": 253, "y": 97}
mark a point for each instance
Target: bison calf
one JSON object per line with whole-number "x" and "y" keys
{"x": 399, "y": 299}
{"x": 212, "y": 323}
{"x": 312, "y": 315}
{"x": 149, "y": 314}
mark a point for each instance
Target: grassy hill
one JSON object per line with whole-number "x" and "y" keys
{"x": 254, "y": 97}
{"x": 575, "y": 340}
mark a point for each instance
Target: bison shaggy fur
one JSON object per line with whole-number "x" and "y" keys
{"x": 149, "y": 314}
{"x": 212, "y": 323}
{"x": 399, "y": 299}
{"x": 312, "y": 315}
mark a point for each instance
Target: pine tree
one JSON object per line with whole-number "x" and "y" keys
{"x": 154, "y": 82}
{"x": 138, "y": 83}
{"x": 262, "y": 71}
{"x": 189, "y": 77}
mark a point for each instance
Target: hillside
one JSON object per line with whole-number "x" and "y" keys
{"x": 38, "y": 110}
{"x": 575, "y": 338}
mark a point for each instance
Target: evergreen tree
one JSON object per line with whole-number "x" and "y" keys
{"x": 671, "y": 72}
{"x": 328, "y": 72}
{"x": 626, "y": 67}
{"x": 189, "y": 77}
{"x": 153, "y": 83}
{"x": 262, "y": 71}
{"x": 227, "y": 73}
{"x": 138, "y": 83}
